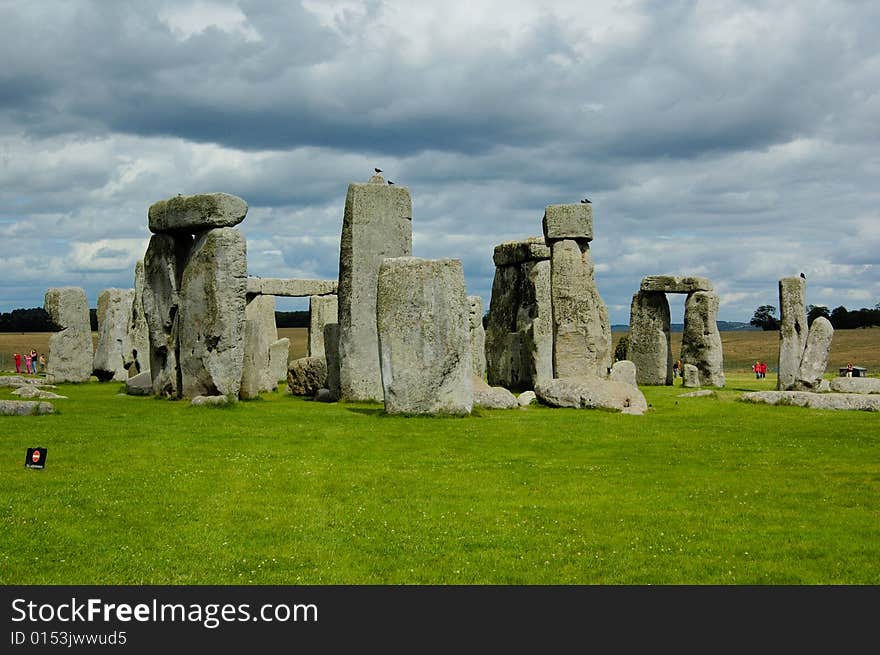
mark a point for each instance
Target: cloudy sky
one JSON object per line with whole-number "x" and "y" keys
{"x": 735, "y": 140}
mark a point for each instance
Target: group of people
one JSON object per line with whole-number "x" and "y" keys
{"x": 760, "y": 370}
{"x": 31, "y": 361}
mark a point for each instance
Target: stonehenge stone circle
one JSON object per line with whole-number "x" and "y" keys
{"x": 212, "y": 314}
{"x": 70, "y": 350}
{"x": 815, "y": 358}
{"x": 164, "y": 262}
{"x": 477, "y": 336}
{"x": 792, "y": 329}
{"x": 377, "y": 223}
{"x": 592, "y": 393}
{"x": 322, "y": 311}
{"x": 424, "y": 341}
{"x": 191, "y": 214}
{"x": 519, "y": 328}
{"x": 113, "y": 352}
{"x": 700, "y": 341}
{"x": 650, "y": 348}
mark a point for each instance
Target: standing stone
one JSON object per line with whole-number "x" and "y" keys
{"x": 581, "y": 327}
{"x": 279, "y": 353}
{"x": 792, "y": 329}
{"x": 503, "y": 341}
{"x": 188, "y": 214}
{"x": 534, "y": 322}
{"x": 815, "y": 359}
{"x": 113, "y": 354}
{"x": 259, "y": 334}
{"x": 212, "y": 314}
{"x": 322, "y": 310}
{"x": 624, "y": 371}
{"x": 690, "y": 376}
{"x": 138, "y": 360}
{"x": 700, "y": 340}
{"x": 331, "y": 356}
{"x": 70, "y": 349}
{"x": 649, "y": 345}
{"x": 377, "y": 223}
{"x": 477, "y": 336}
{"x": 424, "y": 345}
{"x": 164, "y": 262}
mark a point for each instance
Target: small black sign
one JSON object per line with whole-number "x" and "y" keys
{"x": 35, "y": 458}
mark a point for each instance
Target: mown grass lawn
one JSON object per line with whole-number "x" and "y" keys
{"x": 287, "y": 491}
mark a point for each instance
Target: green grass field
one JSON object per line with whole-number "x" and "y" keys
{"x": 287, "y": 491}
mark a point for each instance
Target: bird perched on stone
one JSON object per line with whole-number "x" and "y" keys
{"x": 586, "y": 201}
{"x": 378, "y": 170}
{"x": 390, "y": 183}
{"x": 803, "y": 276}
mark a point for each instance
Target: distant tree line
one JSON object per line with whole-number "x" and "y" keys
{"x": 37, "y": 319}
{"x": 841, "y": 318}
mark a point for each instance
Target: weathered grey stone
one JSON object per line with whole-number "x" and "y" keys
{"x": 815, "y": 357}
{"x": 581, "y": 327}
{"x": 592, "y": 393}
{"x": 675, "y": 284}
{"x": 113, "y": 353}
{"x": 138, "y": 360}
{"x": 164, "y": 262}
{"x": 697, "y": 394}
{"x": 30, "y": 391}
{"x": 824, "y": 387}
{"x": 792, "y": 329}
{"x": 322, "y": 311}
{"x": 70, "y": 349}
{"x": 196, "y": 213}
{"x": 526, "y": 398}
{"x": 838, "y": 401}
{"x": 291, "y": 288}
{"x": 649, "y": 345}
{"x": 503, "y": 342}
{"x": 209, "y": 401}
{"x": 323, "y": 396}
{"x": 624, "y": 371}
{"x": 424, "y": 345}
{"x": 700, "y": 340}
{"x": 140, "y": 384}
{"x": 492, "y": 397}
{"x": 855, "y": 385}
{"x": 690, "y": 376}
{"x": 568, "y": 222}
{"x": 377, "y": 224}
{"x": 25, "y": 407}
{"x": 477, "y": 336}
{"x": 331, "y": 354}
{"x": 306, "y": 375}
{"x": 259, "y": 335}
{"x": 212, "y": 315}
{"x": 18, "y": 381}
{"x": 279, "y": 354}
{"x": 511, "y": 253}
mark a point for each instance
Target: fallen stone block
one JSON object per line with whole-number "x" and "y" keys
{"x": 526, "y": 398}
{"x": 592, "y": 393}
{"x": 30, "y": 391}
{"x": 25, "y": 408}
{"x": 306, "y": 375}
{"x": 855, "y": 385}
{"x": 492, "y": 397}
{"x": 210, "y": 401}
{"x": 836, "y": 401}
{"x": 140, "y": 384}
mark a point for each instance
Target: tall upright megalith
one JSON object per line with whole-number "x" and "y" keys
{"x": 700, "y": 340}
{"x": 259, "y": 335}
{"x": 377, "y": 224}
{"x": 477, "y": 336}
{"x": 649, "y": 345}
{"x": 138, "y": 331}
{"x": 424, "y": 338}
{"x": 212, "y": 316}
{"x": 113, "y": 353}
{"x": 164, "y": 262}
{"x": 792, "y": 329}
{"x": 323, "y": 310}
{"x": 70, "y": 349}
{"x": 815, "y": 359}
{"x": 581, "y": 325}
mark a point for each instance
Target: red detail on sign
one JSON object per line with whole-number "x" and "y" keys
{"x": 36, "y": 456}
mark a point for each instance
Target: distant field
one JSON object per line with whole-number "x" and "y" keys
{"x": 741, "y": 349}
